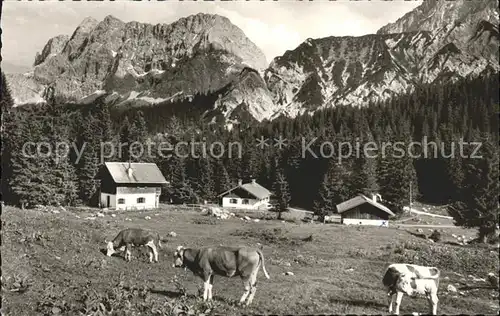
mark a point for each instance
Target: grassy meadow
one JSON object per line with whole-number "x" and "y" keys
{"x": 54, "y": 264}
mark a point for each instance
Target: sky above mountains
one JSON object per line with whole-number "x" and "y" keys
{"x": 273, "y": 26}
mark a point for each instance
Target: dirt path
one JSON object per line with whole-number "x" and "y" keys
{"x": 424, "y": 225}
{"x": 293, "y": 209}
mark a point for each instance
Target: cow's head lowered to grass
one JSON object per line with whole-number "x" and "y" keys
{"x": 178, "y": 257}
{"x": 110, "y": 249}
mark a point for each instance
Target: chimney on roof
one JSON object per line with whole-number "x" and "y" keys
{"x": 129, "y": 169}
{"x": 253, "y": 181}
{"x": 376, "y": 197}
{"x": 240, "y": 182}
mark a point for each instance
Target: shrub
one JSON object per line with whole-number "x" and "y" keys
{"x": 268, "y": 236}
{"x": 436, "y": 236}
{"x": 206, "y": 221}
{"x": 358, "y": 253}
{"x": 466, "y": 260}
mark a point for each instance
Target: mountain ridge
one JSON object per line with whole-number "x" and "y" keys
{"x": 399, "y": 57}
{"x": 138, "y": 62}
{"x": 142, "y": 58}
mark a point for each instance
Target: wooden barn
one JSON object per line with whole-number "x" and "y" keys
{"x": 246, "y": 196}
{"x": 362, "y": 210}
{"x": 129, "y": 186}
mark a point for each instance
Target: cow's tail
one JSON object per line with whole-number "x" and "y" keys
{"x": 261, "y": 256}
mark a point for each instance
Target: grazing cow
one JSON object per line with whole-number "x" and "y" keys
{"x": 223, "y": 261}
{"x": 135, "y": 237}
{"x": 412, "y": 280}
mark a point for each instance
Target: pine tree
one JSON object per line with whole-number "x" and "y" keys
{"x": 249, "y": 165}
{"x": 479, "y": 206}
{"x": 324, "y": 204}
{"x": 88, "y": 165}
{"x": 333, "y": 190}
{"x": 6, "y": 101}
{"x": 124, "y": 146}
{"x": 265, "y": 170}
{"x": 181, "y": 190}
{"x": 138, "y": 134}
{"x": 363, "y": 178}
{"x": 45, "y": 177}
{"x": 174, "y": 127}
{"x": 455, "y": 171}
{"x": 7, "y": 119}
{"x": 60, "y": 177}
{"x": 222, "y": 181}
{"x": 396, "y": 173}
{"x": 282, "y": 193}
{"x": 103, "y": 117}
{"x": 207, "y": 180}
{"x": 25, "y": 171}
{"x": 106, "y": 132}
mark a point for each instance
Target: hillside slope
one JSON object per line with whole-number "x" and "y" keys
{"x": 437, "y": 41}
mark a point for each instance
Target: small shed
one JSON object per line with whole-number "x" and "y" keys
{"x": 362, "y": 210}
{"x": 246, "y": 196}
{"x": 126, "y": 186}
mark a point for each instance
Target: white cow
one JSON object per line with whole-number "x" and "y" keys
{"x": 412, "y": 280}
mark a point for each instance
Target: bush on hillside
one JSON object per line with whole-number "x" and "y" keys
{"x": 466, "y": 260}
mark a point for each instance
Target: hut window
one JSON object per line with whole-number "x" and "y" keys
{"x": 233, "y": 201}
{"x": 245, "y": 201}
{"x": 121, "y": 201}
{"x": 141, "y": 200}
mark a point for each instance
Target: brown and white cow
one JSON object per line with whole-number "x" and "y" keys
{"x": 412, "y": 280}
{"x": 223, "y": 261}
{"x": 135, "y": 237}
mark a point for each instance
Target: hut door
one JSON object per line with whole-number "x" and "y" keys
{"x": 157, "y": 197}
{"x": 108, "y": 201}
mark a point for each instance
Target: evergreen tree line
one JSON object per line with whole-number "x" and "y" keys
{"x": 440, "y": 113}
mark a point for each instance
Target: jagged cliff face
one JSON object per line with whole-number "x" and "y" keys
{"x": 152, "y": 63}
{"x": 472, "y": 26}
{"x": 247, "y": 94}
{"x": 438, "y": 41}
{"x": 433, "y": 15}
{"x": 137, "y": 63}
{"x": 334, "y": 70}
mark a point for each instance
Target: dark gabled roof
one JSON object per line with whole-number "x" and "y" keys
{"x": 147, "y": 173}
{"x": 361, "y": 199}
{"x": 253, "y": 188}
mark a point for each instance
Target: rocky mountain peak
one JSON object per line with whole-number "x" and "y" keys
{"x": 110, "y": 19}
{"x": 53, "y": 47}
{"x": 135, "y": 61}
{"x": 205, "y": 54}
{"x": 218, "y": 32}
{"x": 87, "y": 25}
{"x": 435, "y": 14}
{"x": 439, "y": 41}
